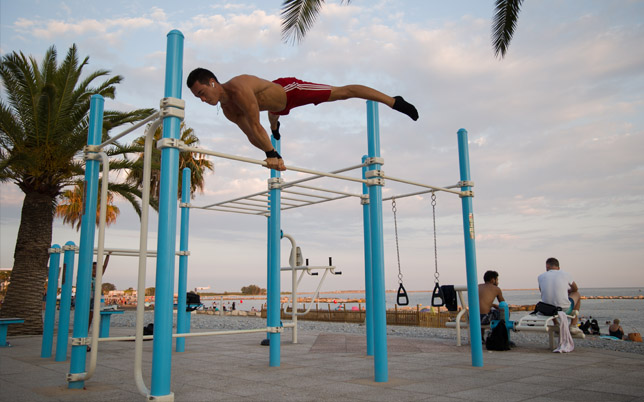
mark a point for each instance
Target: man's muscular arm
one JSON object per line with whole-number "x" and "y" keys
{"x": 248, "y": 121}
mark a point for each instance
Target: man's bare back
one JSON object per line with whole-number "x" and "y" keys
{"x": 269, "y": 95}
{"x": 488, "y": 292}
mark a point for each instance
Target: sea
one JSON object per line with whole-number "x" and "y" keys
{"x": 630, "y": 312}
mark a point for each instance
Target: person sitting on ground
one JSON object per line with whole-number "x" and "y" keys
{"x": 488, "y": 292}
{"x": 244, "y": 96}
{"x": 559, "y": 289}
{"x": 616, "y": 330}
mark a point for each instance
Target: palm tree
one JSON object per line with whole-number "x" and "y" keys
{"x": 298, "y": 16}
{"x": 70, "y": 206}
{"x": 43, "y": 128}
{"x": 198, "y": 163}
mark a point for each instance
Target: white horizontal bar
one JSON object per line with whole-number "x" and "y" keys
{"x": 305, "y": 194}
{"x": 292, "y": 183}
{"x": 227, "y": 210}
{"x": 316, "y": 202}
{"x": 262, "y": 163}
{"x": 422, "y": 185}
{"x": 141, "y": 123}
{"x": 192, "y": 334}
{"x": 311, "y": 268}
{"x": 235, "y": 199}
{"x": 232, "y": 332}
{"x": 328, "y": 190}
{"x": 258, "y": 209}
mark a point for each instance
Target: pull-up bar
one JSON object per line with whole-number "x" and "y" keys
{"x": 413, "y": 183}
{"x": 262, "y": 163}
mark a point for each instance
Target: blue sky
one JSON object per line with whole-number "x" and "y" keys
{"x": 556, "y": 131}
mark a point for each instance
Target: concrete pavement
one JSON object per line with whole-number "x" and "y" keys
{"x": 330, "y": 367}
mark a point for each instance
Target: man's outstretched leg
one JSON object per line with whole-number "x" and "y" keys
{"x": 367, "y": 93}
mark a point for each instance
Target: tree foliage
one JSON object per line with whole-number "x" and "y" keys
{"x": 298, "y": 17}
{"x": 253, "y": 290}
{"x": 198, "y": 164}
{"x": 107, "y": 287}
{"x": 43, "y": 128}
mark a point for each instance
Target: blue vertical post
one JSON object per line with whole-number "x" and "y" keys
{"x": 505, "y": 309}
{"x": 167, "y": 234}
{"x": 65, "y": 301}
{"x": 381, "y": 370}
{"x": 470, "y": 249}
{"x": 50, "y": 302}
{"x": 273, "y": 290}
{"x": 183, "y": 316}
{"x": 368, "y": 270}
{"x": 86, "y": 245}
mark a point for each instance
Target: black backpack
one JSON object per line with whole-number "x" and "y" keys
{"x": 449, "y": 297}
{"x": 498, "y": 338}
{"x": 148, "y": 329}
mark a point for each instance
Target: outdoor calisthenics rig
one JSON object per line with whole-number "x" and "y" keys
{"x": 269, "y": 204}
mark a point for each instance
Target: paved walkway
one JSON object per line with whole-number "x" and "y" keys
{"x": 330, "y": 367}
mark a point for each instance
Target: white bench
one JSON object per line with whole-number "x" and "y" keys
{"x": 530, "y": 322}
{"x": 463, "y": 316}
{"x": 546, "y": 324}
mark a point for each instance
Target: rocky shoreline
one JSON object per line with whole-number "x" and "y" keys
{"x": 522, "y": 339}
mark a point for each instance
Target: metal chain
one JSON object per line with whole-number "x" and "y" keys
{"x": 436, "y": 274}
{"x": 393, "y": 208}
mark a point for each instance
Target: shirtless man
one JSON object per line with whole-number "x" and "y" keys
{"x": 244, "y": 96}
{"x": 488, "y": 292}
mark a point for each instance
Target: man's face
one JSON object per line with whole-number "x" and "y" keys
{"x": 495, "y": 281}
{"x": 206, "y": 92}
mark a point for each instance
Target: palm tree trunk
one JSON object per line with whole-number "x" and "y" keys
{"x": 25, "y": 292}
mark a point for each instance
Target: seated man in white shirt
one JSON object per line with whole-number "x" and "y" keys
{"x": 558, "y": 288}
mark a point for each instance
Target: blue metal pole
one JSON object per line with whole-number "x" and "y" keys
{"x": 183, "y": 317}
{"x": 381, "y": 369}
{"x": 50, "y": 302}
{"x": 470, "y": 249}
{"x": 86, "y": 245}
{"x": 65, "y": 302}
{"x": 167, "y": 234}
{"x": 273, "y": 290}
{"x": 368, "y": 270}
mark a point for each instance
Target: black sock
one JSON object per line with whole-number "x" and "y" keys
{"x": 276, "y": 132}
{"x": 405, "y": 107}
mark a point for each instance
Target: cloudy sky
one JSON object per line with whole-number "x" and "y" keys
{"x": 556, "y": 131}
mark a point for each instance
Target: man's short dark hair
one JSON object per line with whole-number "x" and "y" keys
{"x": 553, "y": 262}
{"x": 489, "y": 275}
{"x": 200, "y": 74}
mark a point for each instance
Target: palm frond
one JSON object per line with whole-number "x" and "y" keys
{"x": 298, "y": 16}
{"x": 504, "y": 24}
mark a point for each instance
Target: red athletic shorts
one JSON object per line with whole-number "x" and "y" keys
{"x": 299, "y": 93}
